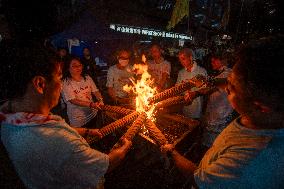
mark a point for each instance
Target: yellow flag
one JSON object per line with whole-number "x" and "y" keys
{"x": 181, "y": 10}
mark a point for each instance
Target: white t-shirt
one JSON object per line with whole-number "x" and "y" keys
{"x": 193, "y": 110}
{"x": 117, "y": 78}
{"x": 82, "y": 90}
{"x": 157, "y": 70}
{"x": 47, "y": 153}
{"x": 243, "y": 158}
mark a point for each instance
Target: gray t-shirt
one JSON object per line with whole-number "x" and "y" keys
{"x": 117, "y": 78}
{"x": 47, "y": 153}
{"x": 243, "y": 158}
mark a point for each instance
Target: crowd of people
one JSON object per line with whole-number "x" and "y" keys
{"x": 241, "y": 152}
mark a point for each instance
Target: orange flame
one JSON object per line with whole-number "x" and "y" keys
{"x": 142, "y": 88}
{"x": 144, "y": 58}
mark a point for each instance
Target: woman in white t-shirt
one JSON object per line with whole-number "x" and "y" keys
{"x": 77, "y": 92}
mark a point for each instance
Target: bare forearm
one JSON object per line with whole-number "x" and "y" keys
{"x": 164, "y": 80}
{"x": 116, "y": 155}
{"x": 186, "y": 166}
{"x": 111, "y": 93}
{"x": 81, "y": 131}
{"x": 114, "y": 160}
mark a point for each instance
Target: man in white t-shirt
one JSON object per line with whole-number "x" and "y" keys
{"x": 159, "y": 68}
{"x": 190, "y": 70}
{"x": 118, "y": 76}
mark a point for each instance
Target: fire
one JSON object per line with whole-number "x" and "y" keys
{"x": 143, "y": 89}
{"x": 144, "y": 58}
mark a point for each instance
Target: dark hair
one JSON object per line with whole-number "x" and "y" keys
{"x": 119, "y": 51}
{"x": 216, "y": 55}
{"x": 186, "y": 51}
{"x": 66, "y": 72}
{"x": 260, "y": 65}
{"x": 20, "y": 64}
{"x": 157, "y": 45}
{"x": 62, "y": 48}
{"x": 86, "y": 48}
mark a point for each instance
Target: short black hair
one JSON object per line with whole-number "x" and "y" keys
{"x": 20, "y": 64}
{"x": 119, "y": 51}
{"x": 186, "y": 51}
{"x": 260, "y": 65}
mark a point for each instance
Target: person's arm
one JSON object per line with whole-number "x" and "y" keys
{"x": 99, "y": 96}
{"x": 111, "y": 93}
{"x": 117, "y": 155}
{"x": 163, "y": 81}
{"x": 95, "y": 91}
{"x": 191, "y": 95}
{"x": 85, "y": 103}
{"x": 165, "y": 75}
{"x": 85, "y": 132}
{"x": 100, "y": 99}
{"x": 186, "y": 166}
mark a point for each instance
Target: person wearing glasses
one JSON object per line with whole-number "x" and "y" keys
{"x": 118, "y": 76}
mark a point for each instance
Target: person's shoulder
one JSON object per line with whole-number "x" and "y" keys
{"x": 88, "y": 78}
{"x": 66, "y": 81}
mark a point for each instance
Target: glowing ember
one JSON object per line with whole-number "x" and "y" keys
{"x": 142, "y": 87}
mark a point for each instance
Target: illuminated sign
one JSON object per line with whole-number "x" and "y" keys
{"x": 147, "y": 31}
